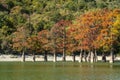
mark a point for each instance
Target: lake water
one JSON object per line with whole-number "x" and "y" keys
{"x": 59, "y": 71}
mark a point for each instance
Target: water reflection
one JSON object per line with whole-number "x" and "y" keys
{"x": 59, "y": 71}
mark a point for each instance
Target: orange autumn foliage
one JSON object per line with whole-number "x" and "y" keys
{"x": 92, "y": 30}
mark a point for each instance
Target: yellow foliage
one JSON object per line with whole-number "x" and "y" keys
{"x": 117, "y": 22}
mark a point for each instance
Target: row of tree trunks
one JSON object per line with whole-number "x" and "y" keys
{"x": 92, "y": 57}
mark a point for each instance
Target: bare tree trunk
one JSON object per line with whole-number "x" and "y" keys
{"x": 81, "y": 56}
{"x": 85, "y": 57}
{"x": 103, "y": 57}
{"x": 64, "y": 45}
{"x": 95, "y": 56}
{"x": 34, "y": 57}
{"x": 45, "y": 57}
{"x": 92, "y": 57}
{"x": 73, "y": 57}
{"x": 23, "y": 56}
{"x": 111, "y": 57}
{"x": 88, "y": 57}
{"x": 54, "y": 57}
{"x": 54, "y": 53}
{"x": 111, "y": 51}
{"x": 64, "y": 56}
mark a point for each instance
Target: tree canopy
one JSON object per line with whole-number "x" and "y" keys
{"x": 71, "y": 25}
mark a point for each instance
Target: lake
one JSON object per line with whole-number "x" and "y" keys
{"x": 59, "y": 71}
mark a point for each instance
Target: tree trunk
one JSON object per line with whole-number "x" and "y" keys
{"x": 23, "y": 56}
{"x": 64, "y": 56}
{"x": 85, "y": 57}
{"x": 95, "y": 56}
{"x": 92, "y": 57}
{"x": 54, "y": 57}
{"x": 103, "y": 57}
{"x": 111, "y": 52}
{"x": 88, "y": 57}
{"x": 54, "y": 53}
{"x": 111, "y": 57}
{"x": 80, "y": 59}
{"x": 34, "y": 57}
{"x": 64, "y": 48}
{"x": 45, "y": 57}
{"x": 73, "y": 57}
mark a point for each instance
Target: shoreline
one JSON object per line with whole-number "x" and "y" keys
{"x": 41, "y": 58}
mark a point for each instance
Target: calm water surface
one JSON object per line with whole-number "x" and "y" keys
{"x": 59, "y": 71}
